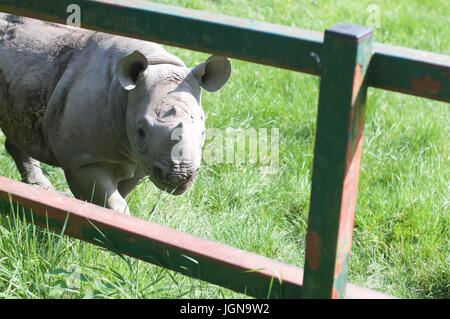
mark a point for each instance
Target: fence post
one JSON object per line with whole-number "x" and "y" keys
{"x": 345, "y": 57}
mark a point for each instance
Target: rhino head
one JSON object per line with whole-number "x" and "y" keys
{"x": 165, "y": 121}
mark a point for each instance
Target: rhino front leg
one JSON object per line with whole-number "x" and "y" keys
{"x": 96, "y": 184}
{"x": 29, "y": 168}
{"x": 127, "y": 185}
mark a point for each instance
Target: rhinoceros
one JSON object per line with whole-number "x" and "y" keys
{"x": 108, "y": 110}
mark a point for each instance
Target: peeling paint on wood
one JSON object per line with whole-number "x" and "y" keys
{"x": 219, "y": 264}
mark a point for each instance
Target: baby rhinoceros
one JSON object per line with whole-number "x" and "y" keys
{"x": 106, "y": 109}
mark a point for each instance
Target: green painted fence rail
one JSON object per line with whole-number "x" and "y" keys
{"x": 392, "y": 68}
{"x": 348, "y": 63}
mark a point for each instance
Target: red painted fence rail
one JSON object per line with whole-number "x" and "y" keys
{"x": 223, "y": 265}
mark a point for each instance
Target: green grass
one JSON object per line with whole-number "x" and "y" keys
{"x": 401, "y": 237}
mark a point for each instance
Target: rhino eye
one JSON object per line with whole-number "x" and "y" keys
{"x": 140, "y": 140}
{"x": 141, "y": 133}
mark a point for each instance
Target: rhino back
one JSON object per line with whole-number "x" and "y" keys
{"x": 34, "y": 55}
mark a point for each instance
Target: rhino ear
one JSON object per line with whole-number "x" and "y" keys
{"x": 213, "y": 73}
{"x": 130, "y": 69}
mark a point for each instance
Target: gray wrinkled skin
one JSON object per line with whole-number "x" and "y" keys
{"x": 106, "y": 109}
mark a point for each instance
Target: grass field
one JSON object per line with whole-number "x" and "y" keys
{"x": 401, "y": 238}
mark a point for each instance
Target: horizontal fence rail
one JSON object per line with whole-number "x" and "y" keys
{"x": 392, "y": 68}
{"x": 203, "y": 259}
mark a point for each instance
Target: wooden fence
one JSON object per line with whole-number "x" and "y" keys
{"x": 348, "y": 63}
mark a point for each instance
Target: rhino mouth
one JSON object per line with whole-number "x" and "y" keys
{"x": 172, "y": 182}
{"x": 174, "y": 189}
